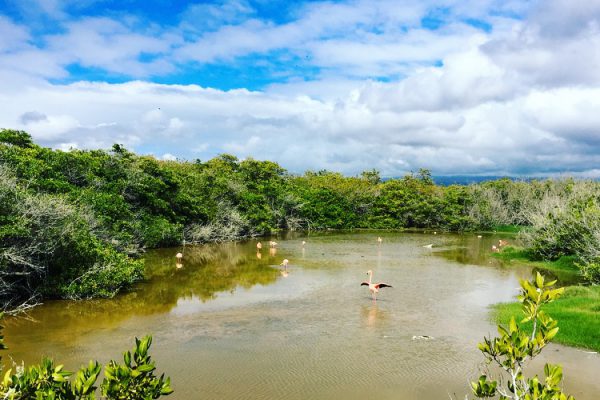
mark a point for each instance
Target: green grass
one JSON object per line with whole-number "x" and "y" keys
{"x": 508, "y": 228}
{"x": 563, "y": 269}
{"x": 577, "y": 313}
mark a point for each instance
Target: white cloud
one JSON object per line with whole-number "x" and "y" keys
{"x": 515, "y": 135}
{"x": 505, "y": 101}
{"x": 201, "y": 16}
{"x": 168, "y": 157}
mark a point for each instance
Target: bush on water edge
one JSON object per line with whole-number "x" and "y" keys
{"x": 577, "y": 311}
{"x": 516, "y": 346}
{"x": 564, "y": 269}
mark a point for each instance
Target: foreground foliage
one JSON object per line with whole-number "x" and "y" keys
{"x": 134, "y": 379}
{"x": 578, "y": 310}
{"x": 515, "y": 347}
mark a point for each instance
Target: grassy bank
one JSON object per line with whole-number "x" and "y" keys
{"x": 564, "y": 269}
{"x": 577, "y": 313}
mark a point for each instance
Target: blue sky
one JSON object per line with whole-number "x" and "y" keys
{"x": 460, "y": 87}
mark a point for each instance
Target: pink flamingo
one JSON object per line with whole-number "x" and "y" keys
{"x": 374, "y": 287}
{"x": 285, "y": 272}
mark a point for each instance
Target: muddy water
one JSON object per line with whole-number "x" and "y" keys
{"x": 231, "y": 325}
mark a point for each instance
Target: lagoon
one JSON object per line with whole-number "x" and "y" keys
{"x": 231, "y": 325}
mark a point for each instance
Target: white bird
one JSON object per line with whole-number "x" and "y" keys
{"x": 374, "y": 287}
{"x": 424, "y": 337}
{"x": 428, "y": 246}
{"x": 379, "y": 239}
{"x": 178, "y": 256}
{"x": 258, "y": 246}
{"x": 285, "y": 272}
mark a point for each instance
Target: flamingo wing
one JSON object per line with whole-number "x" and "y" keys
{"x": 380, "y": 285}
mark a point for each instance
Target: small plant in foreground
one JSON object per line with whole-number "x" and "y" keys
{"x": 515, "y": 347}
{"x": 48, "y": 381}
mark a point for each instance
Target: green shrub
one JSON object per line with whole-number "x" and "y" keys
{"x": 515, "y": 347}
{"x": 50, "y": 381}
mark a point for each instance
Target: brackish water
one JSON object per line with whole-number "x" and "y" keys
{"x": 230, "y": 325}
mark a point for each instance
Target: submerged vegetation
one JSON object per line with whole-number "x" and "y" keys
{"x": 73, "y": 223}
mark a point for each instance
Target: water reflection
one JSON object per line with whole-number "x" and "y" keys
{"x": 209, "y": 270}
{"x": 304, "y": 337}
{"x": 476, "y": 250}
{"x": 373, "y": 315}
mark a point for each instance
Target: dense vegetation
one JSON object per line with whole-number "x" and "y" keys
{"x": 72, "y": 223}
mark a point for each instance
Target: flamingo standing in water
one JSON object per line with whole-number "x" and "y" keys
{"x": 178, "y": 258}
{"x": 374, "y": 287}
{"x": 285, "y": 272}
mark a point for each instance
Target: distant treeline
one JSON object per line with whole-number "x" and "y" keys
{"x": 72, "y": 223}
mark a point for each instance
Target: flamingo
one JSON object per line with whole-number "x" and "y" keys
{"x": 374, "y": 287}
{"x": 258, "y": 246}
{"x": 272, "y": 244}
{"x": 285, "y": 272}
{"x": 179, "y": 256}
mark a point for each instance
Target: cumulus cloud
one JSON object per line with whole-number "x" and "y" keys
{"x": 518, "y": 98}
{"x": 559, "y": 45}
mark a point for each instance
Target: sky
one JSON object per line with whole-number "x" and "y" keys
{"x": 460, "y": 87}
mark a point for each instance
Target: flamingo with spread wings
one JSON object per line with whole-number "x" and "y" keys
{"x": 374, "y": 287}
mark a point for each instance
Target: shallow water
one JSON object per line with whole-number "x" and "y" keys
{"x": 228, "y": 325}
